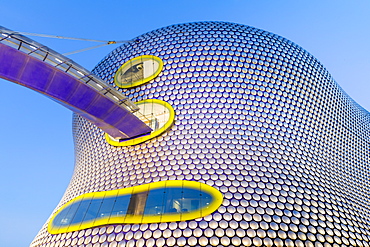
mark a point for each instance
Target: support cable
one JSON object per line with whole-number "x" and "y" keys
{"x": 72, "y": 38}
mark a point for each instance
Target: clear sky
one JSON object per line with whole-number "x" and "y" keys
{"x": 36, "y": 148}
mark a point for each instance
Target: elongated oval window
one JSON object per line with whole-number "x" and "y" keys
{"x": 164, "y": 201}
{"x": 138, "y": 71}
{"x": 157, "y": 114}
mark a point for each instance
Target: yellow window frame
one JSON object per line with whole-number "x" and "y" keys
{"x": 153, "y": 134}
{"x": 140, "y": 219}
{"x": 144, "y": 80}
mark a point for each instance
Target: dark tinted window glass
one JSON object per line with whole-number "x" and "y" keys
{"x": 106, "y": 207}
{"x": 175, "y": 200}
{"x": 154, "y": 202}
{"x": 65, "y": 217}
{"x": 137, "y": 203}
{"x": 121, "y": 205}
{"x": 134, "y": 73}
{"x": 93, "y": 209}
{"x": 190, "y": 200}
{"x": 59, "y": 219}
{"x": 81, "y": 211}
{"x": 172, "y": 200}
{"x": 206, "y": 199}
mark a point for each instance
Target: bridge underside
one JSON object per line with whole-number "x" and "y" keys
{"x": 28, "y": 71}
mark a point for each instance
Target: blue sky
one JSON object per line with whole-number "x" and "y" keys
{"x": 36, "y": 148}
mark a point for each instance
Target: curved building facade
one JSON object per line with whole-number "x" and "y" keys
{"x": 256, "y": 118}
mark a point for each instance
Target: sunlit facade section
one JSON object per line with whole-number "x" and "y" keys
{"x": 257, "y": 118}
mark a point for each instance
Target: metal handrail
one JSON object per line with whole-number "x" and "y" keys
{"x": 65, "y": 64}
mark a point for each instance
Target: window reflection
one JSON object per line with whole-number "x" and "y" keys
{"x": 106, "y": 207}
{"x": 121, "y": 205}
{"x": 138, "y": 71}
{"x": 159, "y": 201}
{"x": 93, "y": 209}
{"x": 137, "y": 203}
{"x": 172, "y": 197}
{"x": 65, "y": 217}
{"x": 80, "y": 212}
{"x": 164, "y": 201}
{"x": 154, "y": 202}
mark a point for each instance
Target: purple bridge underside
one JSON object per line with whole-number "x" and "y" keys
{"x": 37, "y": 75}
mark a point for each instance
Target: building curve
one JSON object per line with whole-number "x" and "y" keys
{"x": 257, "y": 118}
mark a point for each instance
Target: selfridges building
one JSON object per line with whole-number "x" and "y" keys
{"x": 255, "y": 144}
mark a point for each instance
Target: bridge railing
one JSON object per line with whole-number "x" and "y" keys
{"x": 65, "y": 64}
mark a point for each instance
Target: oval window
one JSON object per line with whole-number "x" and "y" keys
{"x": 165, "y": 201}
{"x": 137, "y": 71}
{"x": 157, "y": 114}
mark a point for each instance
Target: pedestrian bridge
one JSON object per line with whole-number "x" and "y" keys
{"x": 30, "y": 64}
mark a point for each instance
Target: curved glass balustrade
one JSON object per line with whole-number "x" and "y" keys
{"x": 164, "y": 201}
{"x": 157, "y": 114}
